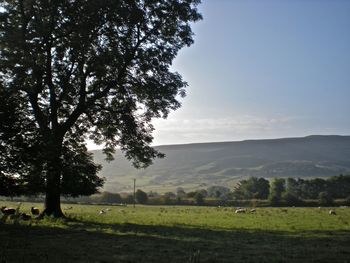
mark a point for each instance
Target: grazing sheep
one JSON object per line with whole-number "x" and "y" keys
{"x": 108, "y": 209}
{"x": 240, "y": 210}
{"x": 332, "y": 212}
{"x": 8, "y": 210}
{"x": 25, "y": 217}
{"x": 252, "y": 210}
{"x": 102, "y": 212}
{"x": 35, "y": 211}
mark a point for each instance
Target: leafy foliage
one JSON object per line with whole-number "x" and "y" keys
{"x": 89, "y": 69}
{"x": 252, "y": 188}
{"x": 325, "y": 198}
{"x": 141, "y": 197}
{"x": 277, "y": 188}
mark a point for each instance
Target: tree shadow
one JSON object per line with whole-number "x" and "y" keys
{"x": 82, "y": 241}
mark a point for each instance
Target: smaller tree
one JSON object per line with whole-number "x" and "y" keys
{"x": 218, "y": 191}
{"x": 141, "y": 197}
{"x": 169, "y": 195}
{"x": 324, "y": 198}
{"x": 347, "y": 200}
{"x": 180, "y": 192}
{"x": 191, "y": 194}
{"x": 107, "y": 197}
{"x": 277, "y": 188}
{"x": 199, "y": 198}
{"x": 291, "y": 199}
{"x": 127, "y": 198}
{"x": 252, "y": 188}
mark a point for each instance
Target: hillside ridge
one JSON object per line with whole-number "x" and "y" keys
{"x": 200, "y": 165}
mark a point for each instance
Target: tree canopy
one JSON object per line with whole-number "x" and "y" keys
{"x": 89, "y": 69}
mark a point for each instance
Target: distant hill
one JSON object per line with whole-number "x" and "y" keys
{"x": 201, "y": 165}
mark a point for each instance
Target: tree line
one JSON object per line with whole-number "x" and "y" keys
{"x": 253, "y": 190}
{"x": 278, "y": 191}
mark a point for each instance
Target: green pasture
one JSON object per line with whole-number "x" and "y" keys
{"x": 178, "y": 234}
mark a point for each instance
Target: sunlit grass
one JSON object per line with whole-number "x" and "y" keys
{"x": 267, "y": 231}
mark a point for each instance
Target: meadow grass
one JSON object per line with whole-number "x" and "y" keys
{"x": 176, "y": 233}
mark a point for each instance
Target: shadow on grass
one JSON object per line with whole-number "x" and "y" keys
{"x": 81, "y": 241}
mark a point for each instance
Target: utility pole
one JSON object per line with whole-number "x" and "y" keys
{"x": 134, "y": 192}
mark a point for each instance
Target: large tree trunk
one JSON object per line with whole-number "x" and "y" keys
{"x": 52, "y": 206}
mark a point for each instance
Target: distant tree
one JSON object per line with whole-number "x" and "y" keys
{"x": 169, "y": 195}
{"x": 90, "y": 69}
{"x": 339, "y": 186}
{"x": 325, "y": 198}
{"x": 141, "y": 197}
{"x": 252, "y": 188}
{"x": 263, "y": 188}
{"x": 292, "y": 194}
{"x": 293, "y": 187}
{"x": 291, "y": 199}
{"x": 153, "y": 194}
{"x": 199, "y": 198}
{"x": 180, "y": 192}
{"x": 277, "y": 187}
{"x": 218, "y": 191}
{"x": 203, "y": 192}
{"x": 191, "y": 194}
{"x": 107, "y": 197}
{"x": 128, "y": 198}
{"x": 347, "y": 200}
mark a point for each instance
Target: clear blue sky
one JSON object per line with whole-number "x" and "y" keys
{"x": 264, "y": 69}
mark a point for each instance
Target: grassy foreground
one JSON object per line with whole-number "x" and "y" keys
{"x": 179, "y": 234}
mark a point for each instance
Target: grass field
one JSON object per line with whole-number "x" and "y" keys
{"x": 179, "y": 234}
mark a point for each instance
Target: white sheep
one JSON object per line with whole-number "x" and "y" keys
{"x": 240, "y": 210}
{"x": 102, "y": 212}
{"x": 332, "y": 212}
{"x": 25, "y": 217}
{"x": 8, "y": 210}
{"x": 35, "y": 211}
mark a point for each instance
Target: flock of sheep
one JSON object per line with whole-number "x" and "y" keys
{"x": 243, "y": 210}
{"x": 35, "y": 212}
{"x": 9, "y": 211}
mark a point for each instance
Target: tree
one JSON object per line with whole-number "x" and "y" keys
{"x": 252, "y": 188}
{"x": 21, "y": 169}
{"x": 218, "y": 191}
{"x": 14, "y": 160}
{"x": 199, "y": 198}
{"x": 292, "y": 193}
{"x": 107, "y": 197}
{"x": 339, "y": 186}
{"x": 277, "y": 187}
{"x": 291, "y": 199}
{"x": 92, "y": 69}
{"x": 314, "y": 187}
{"x": 180, "y": 192}
{"x": 141, "y": 197}
{"x": 325, "y": 198}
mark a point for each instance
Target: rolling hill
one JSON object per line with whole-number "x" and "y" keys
{"x": 201, "y": 165}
